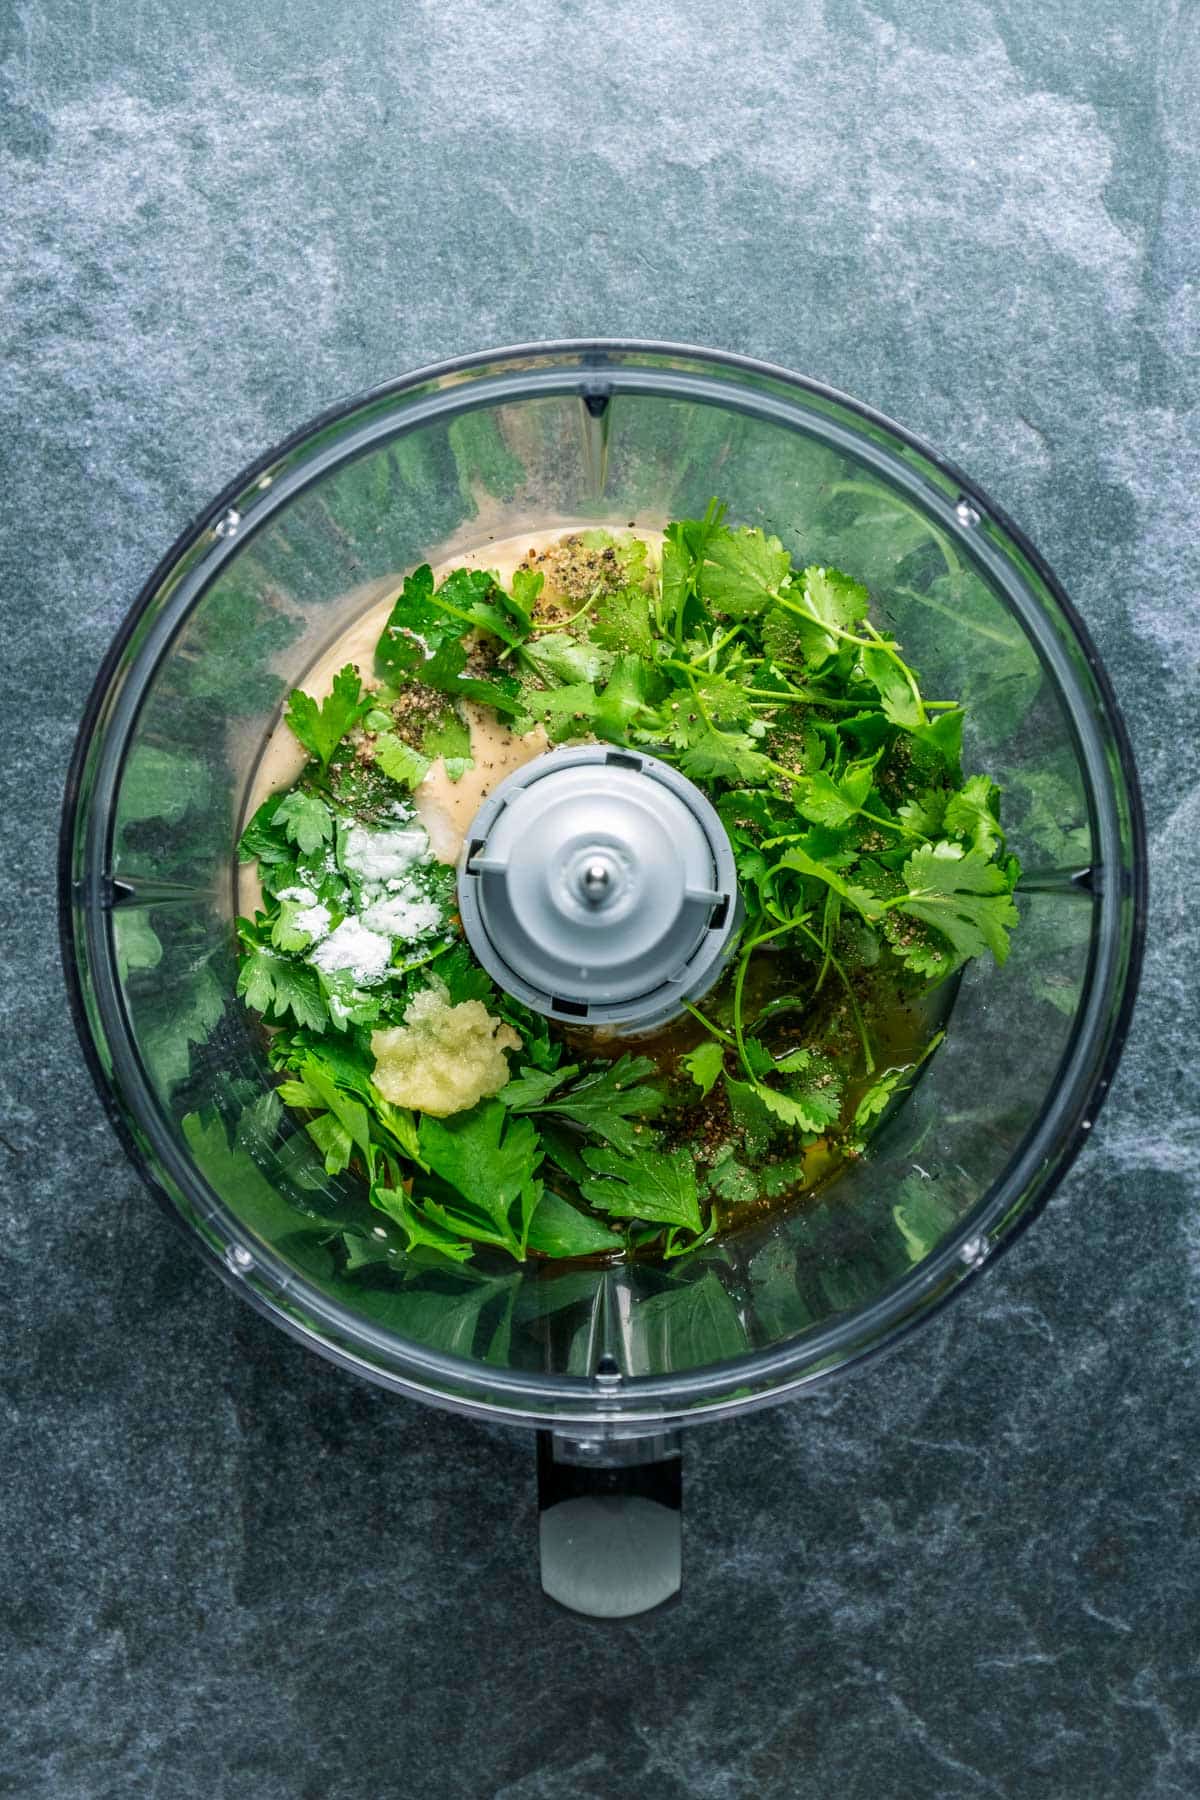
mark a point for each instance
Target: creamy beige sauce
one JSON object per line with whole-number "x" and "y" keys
{"x": 444, "y": 807}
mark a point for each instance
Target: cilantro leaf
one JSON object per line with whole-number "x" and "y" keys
{"x": 652, "y": 1185}
{"x": 524, "y": 594}
{"x": 723, "y": 699}
{"x": 835, "y": 800}
{"x": 962, "y": 896}
{"x": 305, "y": 819}
{"x": 973, "y": 813}
{"x": 321, "y": 728}
{"x": 732, "y": 1180}
{"x": 704, "y": 1064}
{"x": 399, "y": 761}
{"x": 901, "y": 705}
{"x": 629, "y": 690}
{"x": 713, "y": 755}
{"x": 827, "y": 603}
{"x": 742, "y": 571}
{"x": 880, "y": 1094}
{"x": 923, "y": 815}
{"x": 943, "y": 736}
{"x": 861, "y": 898}
{"x": 623, "y": 622}
{"x": 473, "y": 597}
{"x": 444, "y": 671}
{"x": 559, "y": 657}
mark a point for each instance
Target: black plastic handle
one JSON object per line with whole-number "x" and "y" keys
{"x": 609, "y": 1522}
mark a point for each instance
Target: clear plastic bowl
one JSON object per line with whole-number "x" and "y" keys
{"x": 445, "y": 460}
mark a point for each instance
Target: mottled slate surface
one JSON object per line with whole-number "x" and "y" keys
{"x": 231, "y": 1571}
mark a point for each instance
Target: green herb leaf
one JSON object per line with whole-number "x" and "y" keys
{"x": 623, "y": 622}
{"x": 305, "y": 819}
{"x": 704, "y": 1064}
{"x": 963, "y": 896}
{"x": 603, "y": 1101}
{"x": 651, "y": 1185}
{"x": 900, "y": 704}
{"x": 449, "y": 737}
{"x": 742, "y": 571}
{"x": 321, "y": 728}
{"x": 527, "y": 1091}
{"x": 713, "y": 755}
{"x": 834, "y": 801}
{"x": 264, "y": 840}
{"x": 558, "y": 657}
{"x": 489, "y": 1156}
{"x": 399, "y": 761}
{"x": 274, "y": 986}
{"x": 559, "y": 1229}
{"x": 974, "y": 814}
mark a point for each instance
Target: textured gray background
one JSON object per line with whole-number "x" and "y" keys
{"x": 232, "y": 1571}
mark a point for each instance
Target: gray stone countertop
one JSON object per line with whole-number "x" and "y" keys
{"x": 231, "y": 1571}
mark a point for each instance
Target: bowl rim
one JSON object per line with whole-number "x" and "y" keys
{"x": 754, "y": 1378}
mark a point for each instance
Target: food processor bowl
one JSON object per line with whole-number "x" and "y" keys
{"x": 606, "y": 1362}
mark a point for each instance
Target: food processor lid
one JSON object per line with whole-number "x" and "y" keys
{"x": 599, "y": 884}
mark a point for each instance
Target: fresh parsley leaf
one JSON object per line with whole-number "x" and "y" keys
{"x": 274, "y": 986}
{"x": 704, "y": 1064}
{"x": 490, "y": 1158}
{"x": 419, "y": 1231}
{"x": 807, "y": 1108}
{"x": 321, "y": 728}
{"x": 464, "y": 978}
{"x": 449, "y": 737}
{"x": 559, "y": 1229}
{"x": 399, "y": 761}
{"x": 263, "y": 840}
{"x": 305, "y": 819}
{"x": 603, "y": 1101}
{"x": 414, "y": 627}
{"x": 527, "y": 1091}
{"x": 652, "y": 1185}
